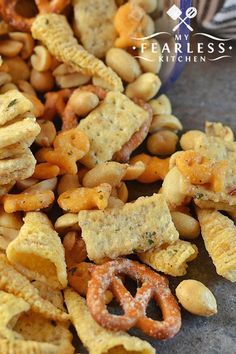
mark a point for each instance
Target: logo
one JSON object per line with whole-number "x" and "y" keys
{"x": 183, "y": 51}
{"x": 175, "y": 13}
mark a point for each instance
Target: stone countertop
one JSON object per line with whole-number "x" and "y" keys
{"x": 204, "y": 91}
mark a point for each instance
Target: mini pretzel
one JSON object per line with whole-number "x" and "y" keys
{"x": 154, "y": 285}
{"x": 9, "y": 14}
{"x": 201, "y": 170}
{"x": 69, "y": 147}
{"x": 69, "y": 118}
{"x": 55, "y": 103}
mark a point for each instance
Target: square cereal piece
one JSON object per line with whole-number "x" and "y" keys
{"x": 110, "y": 126}
{"x": 136, "y": 227}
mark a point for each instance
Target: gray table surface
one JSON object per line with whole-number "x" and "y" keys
{"x": 205, "y": 91}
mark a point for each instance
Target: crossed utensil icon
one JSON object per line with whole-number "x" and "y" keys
{"x": 175, "y": 13}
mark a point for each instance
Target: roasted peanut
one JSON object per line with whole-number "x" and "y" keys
{"x": 124, "y": 64}
{"x": 83, "y": 102}
{"x": 161, "y": 105}
{"x": 175, "y": 188}
{"x": 186, "y": 225}
{"x": 72, "y": 80}
{"x": 162, "y": 143}
{"x": 134, "y": 171}
{"x": 11, "y": 221}
{"x": 24, "y": 86}
{"x": 146, "y": 86}
{"x": 18, "y": 69}
{"x": 42, "y": 60}
{"x": 68, "y": 182}
{"x": 26, "y": 183}
{"x": 67, "y": 222}
{"x": 47, "y": 135}
{"x": 42, "y": 81}
{"x": 5, "y": 78}
{"x": 75, "y": 248}
{"x": 148, "y": 25}
{"x": 149, "y": 57}
{"x": 108, "y": 172}
{"x": 27, "y": 41}
{"x": 165, "y": 121}
{"x": 196, "y": 298}
{"x": 122, "y": 192}
{"x": 188, "y": 140}
{"x": 8, "y": 87}
{"x": 45, "y": 185}
{"x": 148, "y": 5}
{"x": 10, "y": 48}
{"x": 38, "y": 107}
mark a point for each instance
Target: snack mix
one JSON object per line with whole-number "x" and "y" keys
{"x": 76, "y": 101}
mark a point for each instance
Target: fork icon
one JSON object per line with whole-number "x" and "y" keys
{"x": 175, "y": 13}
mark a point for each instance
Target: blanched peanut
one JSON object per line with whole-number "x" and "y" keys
{"x": 24, "y": 86}
{"x": 161, "y": 105}
{"x": 47, "y": 135}
{"x": 27, "y": 41}
{"x": 196, "y": 298}
{"x": 165, "y": 121}
{"x": 134, "y": 171}
{"x": 148, "y": 5}
{"x": 122, "y": 192}
{"x": 186, "y": 225}
{"x": 42, "y": 60}
{"x": 124, "y": 64}
{"x": 10, "y": 48}
{"x": 188, "y": 140}
{"x": 148, "y": 26}
{"x": 162, "y": 143}
{"x": 68, "y": 182}
{"x": 108, "y": 172}
{"x": 42, "y": 81}
{"x": 146, "y": 86}
{"x": 18, "y": 69}
{"x": 72, "y": 80}
{"x": 149, "y": 57}
{"x": 82, "y": 102}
